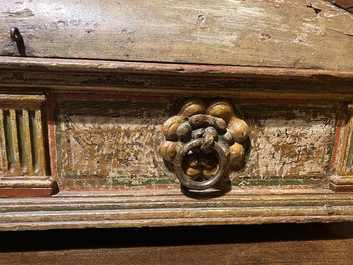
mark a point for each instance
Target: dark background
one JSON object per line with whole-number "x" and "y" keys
{"x": 241, "y": 244}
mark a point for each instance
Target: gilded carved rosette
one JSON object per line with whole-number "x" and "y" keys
{"x": 202, "y": 143}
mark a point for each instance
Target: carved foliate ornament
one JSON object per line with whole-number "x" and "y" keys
{"x": 203, "y": 143}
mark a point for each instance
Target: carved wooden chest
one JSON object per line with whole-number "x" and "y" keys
{"x": 165, "y": 113}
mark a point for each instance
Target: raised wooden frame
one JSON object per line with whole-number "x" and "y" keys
{"x": 167, "y": 207}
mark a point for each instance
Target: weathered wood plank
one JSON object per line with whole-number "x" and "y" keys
{"x": 31, "y": 75}
{"x": 258, "y": 33}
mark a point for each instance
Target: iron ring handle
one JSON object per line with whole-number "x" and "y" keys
{"x": 185, "y": 179}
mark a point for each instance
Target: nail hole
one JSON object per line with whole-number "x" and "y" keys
{"x": 201, "y": 19}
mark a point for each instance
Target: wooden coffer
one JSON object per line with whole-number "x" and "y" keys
{"x": 173, "y": 113}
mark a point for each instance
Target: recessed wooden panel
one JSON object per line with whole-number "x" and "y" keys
{"x": 114, "y": 145}
{"x": 288, "y": 143}
{"x": 107, "y": 145}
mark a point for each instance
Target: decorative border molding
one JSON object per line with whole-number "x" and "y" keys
{"x": 170, "y": 208}
{"x": 23, "y": 170}
{"x": 343, "y": 180}
{"x": 61, "y": 75}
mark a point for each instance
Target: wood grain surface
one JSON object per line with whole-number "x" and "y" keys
{"x": 297, "y": 34}
{"x": 265, "y": 244}
{"x": 40, "y": 75}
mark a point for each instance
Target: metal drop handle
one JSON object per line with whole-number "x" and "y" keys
{"x": 185, "y": 179}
